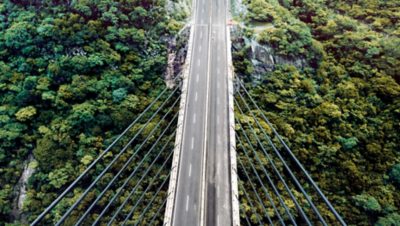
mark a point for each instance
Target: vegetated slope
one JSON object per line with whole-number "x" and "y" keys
{"x": 340, "y": 114}
{"x": 73, "y": 75}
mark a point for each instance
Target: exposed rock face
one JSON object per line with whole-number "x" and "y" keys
{"x": 177, "y": 49}
{"x": 263, "y": 57}
{"x": 20, "y": 190}
{"x": 179, "y": 6}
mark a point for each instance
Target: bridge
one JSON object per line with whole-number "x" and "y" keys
{"x": 219, "y": 170}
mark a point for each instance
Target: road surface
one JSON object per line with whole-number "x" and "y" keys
{"x": 203, "y": 186}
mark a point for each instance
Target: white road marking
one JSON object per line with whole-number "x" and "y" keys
{"x": 195, "y": 97}
{"x": 197, "y": 78}
{"x": 192, "y": 143}
{"x": 198, "y": 63}
{"x": 190, "y": 170}
{"x": 194, "y": 118}
{"x": 201, "y": 34}
{"x": 217, "y": 121}
{"x": 218, "y": 71}
{"x": 218, "y": 58}
{"x": 218, "y": 85}
{"x": 187, "y": 203}
{"x": 218, "y": 139}
{"x": 199, "y": 48}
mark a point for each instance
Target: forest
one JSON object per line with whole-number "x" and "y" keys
{"x": 73, "y": 75}
{"x": 340, "y": 111}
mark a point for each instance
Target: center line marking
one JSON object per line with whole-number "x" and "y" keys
{"x": 187, "y": 203}
{"x": 197, "y": 78}
{"x": 195, "y": 97}
{"x": 192, "y": 143}
{"x": 199, "y": 48}
{"x": 194, "y": 118}
{"x": 198, "y": 63}
{"x": 190, "y": 170}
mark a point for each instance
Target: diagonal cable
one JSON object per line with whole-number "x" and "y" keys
{"x": 126, "y": 165}
{"x": 262, "y": 184}
{"x": 253, "y": 209}
{"x": 142, "y": 196}
{"x": 266, "y": 174}
{"x": 158, "y": 211}
{"x": 316, "y": 211}
{"x": 275, "y": 168}
{"x": 245, "y": 215}
{"x": 120, "y": 189}
{"x": 69, "y": 211}
{"x": 135, "y": 188}
{"x": 327, "y": 202}
{"x": 151, "y": 202}
{"x": 84, "y": 173}
{"x": 255, "y": 192}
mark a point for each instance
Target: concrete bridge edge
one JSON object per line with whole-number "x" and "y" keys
{"x": 232, "y": 138}
{"x": 178, "y": 135}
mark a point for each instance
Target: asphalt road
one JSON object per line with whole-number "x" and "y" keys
{"x": 203, "y": 186}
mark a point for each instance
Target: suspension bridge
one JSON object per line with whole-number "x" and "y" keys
{"x": 189, "y": 159}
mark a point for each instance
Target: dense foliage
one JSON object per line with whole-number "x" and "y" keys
{"x": 340, "y": 115}
{"x": 73, "y": 75}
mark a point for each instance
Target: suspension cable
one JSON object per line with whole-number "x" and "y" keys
{"x": 256, "y": 193}
{"x": 261, "y": 183}
{"x": 126, "y": 165}
{"x": 84, "y": 173}
{"x": 69, "y": 211}
{"x": 280, "y": 178}
{"x": 282, "y": 160}
{"x": 120, "y": 189}
{"x": 245, "y": 215}
{"x": 324, "y": 198}
{"x": 141, "y": 197}
{"x": 251, "y": 204}
{"x": 135, "y": 188}
{"x": 266, "y": 174}
{"x": 277, "y": 171}
{"x": 158, "y": 211}
{"x": 151, "y": 202}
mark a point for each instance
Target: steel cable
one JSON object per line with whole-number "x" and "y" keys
{"x": 135, "y": 188}
{"x": 151, "y": 201}
{"x": 253, "y": 209}
{"x": 266, "y": 174}
{"x": 245, "y": 215}
{"x": 126, "y": 165}
{"x": 85, "y": 172}
{"x": 275, "y": 168}
{"x": 158, "y": 211}
{"x": 283, "y": 161}
{"x": 261, "y": 183}
{"x": 76, "y": 203}
{"x": 255, "y": 192}
{"x": 324, "y": 198}
{"x": 142, "y": 196}
{"x": 120, "y": 189}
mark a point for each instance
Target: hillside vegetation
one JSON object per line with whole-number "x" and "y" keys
{"x": 73, "y": 75}
{"x": 340, "y": 113}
